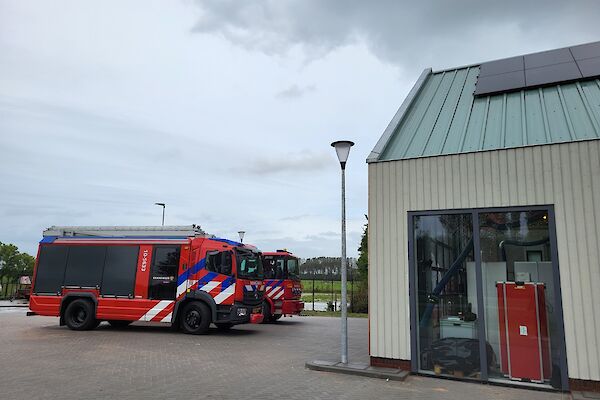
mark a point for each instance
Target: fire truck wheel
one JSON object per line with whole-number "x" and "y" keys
{"x": 224, "y": 326}
{"x": 195, "y": 318}
{"x": 119, "y": 323}
{"x": 276, "y": 317}
{"x": 79, "y": 315}
{"x": 266, "y": 312}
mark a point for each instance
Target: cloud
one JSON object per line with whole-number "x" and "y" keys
{"x": 295, "y": 92}
{"x": 273, "y": 164}
{"x": 295, "y": 217}
{"x": 405, "y": 33}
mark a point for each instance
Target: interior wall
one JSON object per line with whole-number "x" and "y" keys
{"x": 564, "y": 175}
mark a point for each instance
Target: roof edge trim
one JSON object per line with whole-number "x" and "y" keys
{"x": 391, "y": 128}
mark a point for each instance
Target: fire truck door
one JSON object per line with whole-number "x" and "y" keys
{"x": 163, "y": 273}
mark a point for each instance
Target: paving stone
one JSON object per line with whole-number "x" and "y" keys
{"x": 40, "y": 360}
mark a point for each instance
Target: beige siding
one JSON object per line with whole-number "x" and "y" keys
{"x": 565, "y": 175}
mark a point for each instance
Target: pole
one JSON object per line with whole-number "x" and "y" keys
{"x": 163, "y": 218}
{"x": 313, "y": 296}
{"x": 344, "y": 278}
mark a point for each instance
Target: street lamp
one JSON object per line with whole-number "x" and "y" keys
{"x": 163, "y": 206}
{"x": 241, "y": 233}
{"x": 342, "y": 148}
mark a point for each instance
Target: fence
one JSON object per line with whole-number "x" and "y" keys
{"x": 323, "y": 293}
{"x": 8, "y": 287}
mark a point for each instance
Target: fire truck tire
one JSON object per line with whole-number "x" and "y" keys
{"x": 80, "y": 315}
{"x": 195, "y": 318}
{"x": 117, "y": 323}
{"x": 266, "y": 312}
{"x": 224, "y": 326}
{"x": 275, "y": 317}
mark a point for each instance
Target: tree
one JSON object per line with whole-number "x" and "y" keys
{"x": 361, "y": 299}
{"x": 363, "y": 253}
{"x": 13, "y": 263}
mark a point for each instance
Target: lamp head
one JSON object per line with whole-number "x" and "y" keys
{"x": 160, "y": 204}
{"x": 241, "y": 233}
{"x": 342, "y": 148}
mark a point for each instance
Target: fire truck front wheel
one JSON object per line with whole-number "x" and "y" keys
{"x": 80, "y": 315}
{"x": 195, "y": 318}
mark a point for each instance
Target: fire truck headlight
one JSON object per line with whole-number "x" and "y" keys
{"x": 242, "y": 312}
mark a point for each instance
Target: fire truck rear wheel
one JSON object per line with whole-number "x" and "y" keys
{"x": 80, "y": 315}
{"x": 195, "y": 318}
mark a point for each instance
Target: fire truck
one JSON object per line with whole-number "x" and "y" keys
{"x": 167, "y": 274}
{"x": 283, "y": 288}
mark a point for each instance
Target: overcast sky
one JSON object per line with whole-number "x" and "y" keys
{"x": 225, "y": 110}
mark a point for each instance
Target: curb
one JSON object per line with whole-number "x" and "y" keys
{"x": 358, "y": 369}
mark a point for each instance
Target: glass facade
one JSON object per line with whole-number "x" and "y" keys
{"x": 485, "y": 296}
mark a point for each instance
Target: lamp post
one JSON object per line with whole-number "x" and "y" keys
{"x": 163, "y": 216}
{"x": 342, "y": 148}
{"x": 241, "y": 233}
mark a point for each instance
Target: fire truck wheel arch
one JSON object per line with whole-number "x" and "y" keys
{"x": 198, "y": 295}
{"x": 69, "y": 298}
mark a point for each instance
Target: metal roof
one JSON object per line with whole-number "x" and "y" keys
{"x": 442, "y": 116}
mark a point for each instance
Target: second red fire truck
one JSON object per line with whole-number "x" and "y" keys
{"x": 176, "y": 275}
{"x": 283, "y": 287}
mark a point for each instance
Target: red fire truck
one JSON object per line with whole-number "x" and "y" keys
{"x": 172, "y": 274}
{"x": 283, "y": 287}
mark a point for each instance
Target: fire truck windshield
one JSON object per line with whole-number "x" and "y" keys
{"x": 249, "y": 264}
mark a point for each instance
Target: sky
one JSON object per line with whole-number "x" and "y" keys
{"x": 225, "y": 110}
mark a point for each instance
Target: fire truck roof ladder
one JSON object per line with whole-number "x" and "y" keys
{"x": 125, "y": 231}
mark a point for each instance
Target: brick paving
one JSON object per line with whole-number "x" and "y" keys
{"x": 40, "y": 360}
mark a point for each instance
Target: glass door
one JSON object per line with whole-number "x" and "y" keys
{"x": 522, "y": 321}
{"x": 447, "y": 327}
{"x": 485, "y": 296}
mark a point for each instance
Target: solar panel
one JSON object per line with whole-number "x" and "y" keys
{"x": 539, "y": 69}
{"x": 501, "y": 82}
{"x": 583, "y": 51}
{"x": 547, "y": 58}
{"x": 552, "y": 73}
{"x": 589, "y": 67}
{"x": 501, "y": 66}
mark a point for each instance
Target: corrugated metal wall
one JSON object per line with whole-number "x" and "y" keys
{"x": 566, "y": 175}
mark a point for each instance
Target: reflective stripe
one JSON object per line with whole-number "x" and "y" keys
{"x": 155, "y": 310}
{"x": 275, "y": 293}
{"x": 225, "y": 294}
{"x": 210, "y": 286}
{"x": 167, "y": 318}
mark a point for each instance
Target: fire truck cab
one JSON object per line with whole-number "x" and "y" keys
{"x": 283, "y": 287}
{"x": 171, "y": 274}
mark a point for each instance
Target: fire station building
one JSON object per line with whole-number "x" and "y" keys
{"x": 484, "y": 212}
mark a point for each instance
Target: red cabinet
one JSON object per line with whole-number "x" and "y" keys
{"x": 523, "y": 329}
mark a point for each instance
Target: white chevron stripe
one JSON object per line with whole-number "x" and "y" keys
{"x": 274, "y": 293}
{"x": 185, "y": 285}
{"x": 167, "y": 318}
{"x": 210, "y": 286}
{"x": 225, "y": 294}
{"x": 278, "y": 295}
{"x": 155, "y": 310}
{"x": 249, "y": 288}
